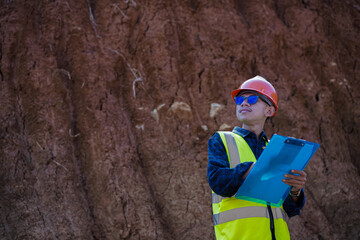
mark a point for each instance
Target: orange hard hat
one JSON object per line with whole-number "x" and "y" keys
{"x": 260, "y": 85}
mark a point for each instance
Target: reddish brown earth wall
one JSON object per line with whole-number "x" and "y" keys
{"x": 105, "y": 111}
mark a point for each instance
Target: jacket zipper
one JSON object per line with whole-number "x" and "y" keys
{"x": 272, "y": 227}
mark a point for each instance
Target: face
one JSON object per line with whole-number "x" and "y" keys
{"x": 253, "y": 113}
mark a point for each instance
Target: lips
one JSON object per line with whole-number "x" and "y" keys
{"x": 244, "y": 110}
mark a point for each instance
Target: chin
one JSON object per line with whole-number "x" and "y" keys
{"x": 241, "y": 118}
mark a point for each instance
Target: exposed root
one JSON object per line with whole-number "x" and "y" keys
{"x": 115, "y": 6}
{"x": 134, "y": 71}
{"x": 62, "y": 71}
{"x": 57, "y": 163}
{"x": 73, "y": 136}
{"x": 132, "y": 1}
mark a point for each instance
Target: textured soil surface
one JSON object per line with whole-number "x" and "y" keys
{"x": 107, "y": 106}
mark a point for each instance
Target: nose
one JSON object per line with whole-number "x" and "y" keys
{"x": 245, "y": 103}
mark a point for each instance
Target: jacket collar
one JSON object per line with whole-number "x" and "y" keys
{"x": 244, "y": 133}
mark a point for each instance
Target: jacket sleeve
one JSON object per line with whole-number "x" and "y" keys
{"x": 293, "y": 208}
{"x": 223, "y": 180}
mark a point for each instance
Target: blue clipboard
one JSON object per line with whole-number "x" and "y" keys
{"x": 282, "y": 154}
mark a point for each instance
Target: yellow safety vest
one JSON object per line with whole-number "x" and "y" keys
{"x": 240, "y": 219}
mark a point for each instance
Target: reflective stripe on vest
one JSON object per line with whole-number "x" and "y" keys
{"x": 216, "y": 198}
{"x": 247, "y": 212}
{"x": 233, "y": 150}
{"x": 277, "y": 212}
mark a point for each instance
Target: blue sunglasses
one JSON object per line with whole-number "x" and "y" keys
{"x": 252, "y": 99}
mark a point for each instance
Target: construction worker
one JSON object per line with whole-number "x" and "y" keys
{"x": 256, "y": 100}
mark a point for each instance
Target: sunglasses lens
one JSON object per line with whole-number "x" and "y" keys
{"x": 239, "y": 100}
{"x": 252, "y": 99}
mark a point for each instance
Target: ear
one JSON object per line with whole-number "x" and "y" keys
{"x": 270, "y": 111}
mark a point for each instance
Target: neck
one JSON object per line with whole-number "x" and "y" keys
{"x": 256, "y": 128}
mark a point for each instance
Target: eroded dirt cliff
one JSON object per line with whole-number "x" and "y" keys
{"x": 107, "y": 106}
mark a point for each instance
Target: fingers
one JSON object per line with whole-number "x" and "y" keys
{"x": 295, "y": 184}
{"x": 296, "y": 181}
{"x": 301, "y": 173}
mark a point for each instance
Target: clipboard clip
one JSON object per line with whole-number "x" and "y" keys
{"x": 295, "y": 142}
